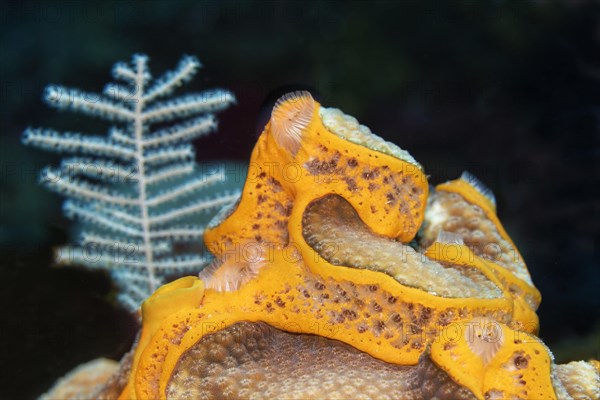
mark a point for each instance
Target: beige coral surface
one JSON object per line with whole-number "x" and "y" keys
{"x": 84, "y": 381}
{"x": 256, "y": 361}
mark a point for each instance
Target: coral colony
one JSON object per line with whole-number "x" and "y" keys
{"x": 366, "y": 284}
{"x": 137, "y": 192}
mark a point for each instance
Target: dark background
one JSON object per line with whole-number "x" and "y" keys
{"x": 508, "y": 90}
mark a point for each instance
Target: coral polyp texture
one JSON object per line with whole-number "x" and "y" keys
{"x": 138, "y": 193}
{"x": 338, "y": 275}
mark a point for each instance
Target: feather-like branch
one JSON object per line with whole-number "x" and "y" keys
{"x": 189, "y": 130}
{"x": 191, "y": 232}
{"x": 83, "y": 190}
{"x": 170, "y": 172}
{"x": 165, "y": 85}
{"x": 192, "y": 208}
{"x": 185, "y": 189}
{"x": 127, "y": 190}
{"x": 95, "y": 168}
{"x": 69, "y": 142}
{"x": 169, "y": 155}
{"x": 189, "y": 105}
{"x": 87, "y": 103}
{"x": 74, "y": 209}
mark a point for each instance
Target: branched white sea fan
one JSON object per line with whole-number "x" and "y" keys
{"x": 138, "y": 193}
